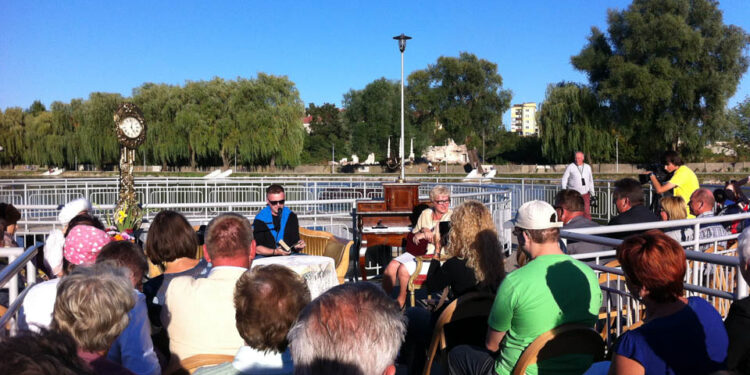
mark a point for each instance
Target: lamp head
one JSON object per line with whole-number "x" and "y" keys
{"x": 402, "y": 41}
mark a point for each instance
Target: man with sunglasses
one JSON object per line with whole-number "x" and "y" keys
{"x": 552, "y": 289}
{"x": 276, "y": 223}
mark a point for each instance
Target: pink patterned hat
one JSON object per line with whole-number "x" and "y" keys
{"x": 83, "y": 244}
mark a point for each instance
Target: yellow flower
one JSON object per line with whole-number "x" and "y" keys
{"x": 121, "y": 216}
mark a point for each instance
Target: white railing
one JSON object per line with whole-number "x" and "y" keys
{"x": 713, "y": 276}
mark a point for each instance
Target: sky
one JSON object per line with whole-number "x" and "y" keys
{"x": 61, "y": 50}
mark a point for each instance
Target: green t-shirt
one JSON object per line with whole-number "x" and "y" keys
{"x": 549, "y": 291}
{"x": 687, "y": 183}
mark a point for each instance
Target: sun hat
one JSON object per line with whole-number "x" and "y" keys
{"x": 535, "y": 215}
{"x": 72, "y": 209}
{"x": 83, "y": 244}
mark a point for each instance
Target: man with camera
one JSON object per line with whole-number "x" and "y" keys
{"x": 578, "y": 177}
{"x": 683, "y": 181}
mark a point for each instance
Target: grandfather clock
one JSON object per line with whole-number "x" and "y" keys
{"x": 130, "y": 127}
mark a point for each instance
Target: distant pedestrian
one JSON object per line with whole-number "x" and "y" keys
{"x": 578, "y": 177}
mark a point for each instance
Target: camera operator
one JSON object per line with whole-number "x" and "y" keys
{"x": 683, "y": 181}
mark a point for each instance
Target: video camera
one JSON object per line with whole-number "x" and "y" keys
{"x": 657, "y": 169}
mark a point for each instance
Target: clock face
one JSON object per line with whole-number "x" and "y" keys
{"x": 131, "y": 127}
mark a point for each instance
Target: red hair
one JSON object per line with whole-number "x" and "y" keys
{"x": 656, "y": 262}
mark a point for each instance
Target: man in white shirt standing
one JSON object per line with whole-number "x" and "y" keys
{"x": 578, "y": 177}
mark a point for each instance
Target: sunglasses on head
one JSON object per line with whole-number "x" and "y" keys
{"x": 273, "y": 203}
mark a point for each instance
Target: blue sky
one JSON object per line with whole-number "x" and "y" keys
{"x": 59, "y": 50}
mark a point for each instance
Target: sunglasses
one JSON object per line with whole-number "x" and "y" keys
{"x": 273, "y": 203}
{"x": 445, "y": 201}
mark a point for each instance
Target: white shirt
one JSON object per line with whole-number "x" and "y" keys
{"x": 571, "y": 179}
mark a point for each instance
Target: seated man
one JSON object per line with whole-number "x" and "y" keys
{"x": 275, "y": 223}
{"x": 569, "y": 206}
{"x": 133, "y": 349}
{"x": 352, "y": 329}
{"x": 551, "y": 290}
{"x": 268, "y": 300}
{"x": 200, "y": 316}
{"x": 629, "y": 199}
{"x": 701, "y": 205}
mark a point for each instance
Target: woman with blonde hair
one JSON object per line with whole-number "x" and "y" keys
{"x": 475, "y": 263}
{"x": 673, "y": 208}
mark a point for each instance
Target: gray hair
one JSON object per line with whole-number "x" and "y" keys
{"x": 439, "y": 190}
{"x": 92, "y": 305}
{"x": 354, "y": 328}
{"x": 743, "y": 246}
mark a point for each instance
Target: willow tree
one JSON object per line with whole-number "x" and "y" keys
{"x": 570, "y": 120}
{"x": 11, "y": 136}
{"x": 666, "y": 69}
{"x": 96, "y": 133}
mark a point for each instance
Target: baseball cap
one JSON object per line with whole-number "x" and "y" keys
{"x": 535, "y": 215}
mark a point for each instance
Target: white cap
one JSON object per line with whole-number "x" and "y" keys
{"x": 72, "y": 209}
{"x": 535, "y": 215}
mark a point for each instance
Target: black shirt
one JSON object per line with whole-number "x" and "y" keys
{"x": 263, "y": 236}
{"x": 635, "y": 215}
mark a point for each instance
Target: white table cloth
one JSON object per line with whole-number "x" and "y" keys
{"x": 319, "y": 272}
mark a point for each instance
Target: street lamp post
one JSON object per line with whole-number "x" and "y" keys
{"x": 402, "y": 46}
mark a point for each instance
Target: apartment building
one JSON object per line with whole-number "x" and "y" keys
{"x": 523, "y": 119}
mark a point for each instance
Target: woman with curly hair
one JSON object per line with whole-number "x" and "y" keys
{"x": 476, "y": 263}
{"x": 476, "y": 260}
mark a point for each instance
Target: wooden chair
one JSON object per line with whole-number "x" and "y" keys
{"x": 190, "y": 364}
{"x": 563, "y": 340}
{"x": 469, "y": 308}
{"x": 416, "y": 280}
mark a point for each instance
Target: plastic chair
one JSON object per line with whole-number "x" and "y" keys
{"x": 471, "y": 307}
{"x": 563, "y": 340}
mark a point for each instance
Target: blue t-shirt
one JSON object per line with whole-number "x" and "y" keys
{"x": 691, "y": 341}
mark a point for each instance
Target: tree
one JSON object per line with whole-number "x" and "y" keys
{"x": 326, "y": 130}
{"x": 373, "y": 115}
{"x": 12, "y": 135}
{"x": 464, "y": 94}
{"x": 96, "y": 133}
{"x": 665, "y": 71}
{"x": 571, "y": 120}
{"x": 740, "y": 118}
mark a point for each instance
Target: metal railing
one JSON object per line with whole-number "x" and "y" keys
{"x": 713, "y": 276}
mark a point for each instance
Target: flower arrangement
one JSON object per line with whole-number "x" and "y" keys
{"x": 126, "y": 218}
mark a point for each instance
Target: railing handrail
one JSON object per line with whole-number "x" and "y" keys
{"x": 14, "y": 267}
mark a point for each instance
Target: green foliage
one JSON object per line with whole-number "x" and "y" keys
{"x": 326, "y": 130}
{"x": 740, "y": 119}
{"x": 665, "y": 72}
{"x": 571, "y": 120}
{"x": 509, "y": 147}
{"x": 464, "y": 94}
{"x": 373, "y": 114}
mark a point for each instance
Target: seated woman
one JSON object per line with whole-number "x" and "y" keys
{"x": 171, "y": 244}
{"x": 673, "y": 208}
{"x": 476, "y": 263}
{"x": 92, "y": 306}
{"x": 427, "y": 229}
{"x": 679, "y": 335}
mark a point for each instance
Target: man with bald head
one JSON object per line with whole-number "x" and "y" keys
{"x": 578, "y": 177}
{"x": 701, "y": 205}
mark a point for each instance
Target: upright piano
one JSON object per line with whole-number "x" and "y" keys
{"x": 385, "y": 222}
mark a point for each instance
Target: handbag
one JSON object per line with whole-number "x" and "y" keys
{"x": 417, "y": 249}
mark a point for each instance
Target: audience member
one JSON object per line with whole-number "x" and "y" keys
{"x": 578, "y": 177}
{"x": 679, "y": 335}
{"x": 683, "y": 181}
{"x": 737, "y": 322}
{"x": 569, "y": 206}
{"x": 133, "y": 349}
{"x": 702, "y": 206}
{"x": 83, "y": 242}
{"x": 275, "y": 224}
{"x": 628, "y": 197}
{"x": 41, "y": 353}
{"x": 200, "y": 317}
{"x": 673, "y": 208}
{"x": 352, "y": 329}
{"x": 551, "y": 290}
{"x": 268, "y": 300}
{"x": 53, "y": 246}
{"x": 92, "y": 306}
{"x": 735, "y": 202}
{"x": 172, "y": 244}
{"x": 475, "y": 263}
{"x": 10, "y": 216}
{"x": 427, "y": 229}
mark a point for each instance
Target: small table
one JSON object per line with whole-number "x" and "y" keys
{"x": 319, "y": 272}
{"x": 373, "y": 236}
